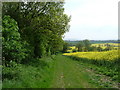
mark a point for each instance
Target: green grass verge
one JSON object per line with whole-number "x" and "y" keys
{"x": 102, "y": 76}
{"x": 36, "y": 74}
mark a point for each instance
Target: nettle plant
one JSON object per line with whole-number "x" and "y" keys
{"x": 13, "y": 49}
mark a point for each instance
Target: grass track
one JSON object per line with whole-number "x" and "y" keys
{"x": 69, "y": 74}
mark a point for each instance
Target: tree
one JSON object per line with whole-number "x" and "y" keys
{"x": 87, "y": 44}
{"x": 99, "y": 48}
{"x": 65, "y": 47}
{"x": 13, "y": 49}
{"x": 80, "y": 46}
{"x": 93, "y": 48}
{"x": 41, "y": 24}
{"x": 108, "y": 47}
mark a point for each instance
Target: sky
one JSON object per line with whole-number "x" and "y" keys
{"x": 92, "y": 19}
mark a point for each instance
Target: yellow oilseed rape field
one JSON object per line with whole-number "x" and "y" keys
{"x": 106, "y": 55}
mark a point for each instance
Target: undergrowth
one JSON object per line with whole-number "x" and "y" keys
{"x": 36, "y": 74}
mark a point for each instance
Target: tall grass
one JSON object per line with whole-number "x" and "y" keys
{"x": 36, "y": 74}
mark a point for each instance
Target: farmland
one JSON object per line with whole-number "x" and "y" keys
{"x": 106, "y": 55}
{"x": 106, "y": 62}
{"x": 103, "y": 58}
{"x": 35, "y": 53}
{"x": 103, "y": 46}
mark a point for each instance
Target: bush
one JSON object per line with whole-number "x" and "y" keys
{"x": 37, "y": 74}
{"x": 13, "y": 49}
{"x": 74, "y": 50}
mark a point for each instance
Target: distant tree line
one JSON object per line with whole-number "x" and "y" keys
{"x": 104, "y": 41}
{"x": 86, "y": 45}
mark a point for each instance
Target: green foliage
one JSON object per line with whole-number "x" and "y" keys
{"x": 93, "y": 48}
{"x": 41, "y": 24}
{"x": 99, "y": 49}
{"x": 80, "y": 46}
{"x": 87, "y": 44}
{"x": 36, "y": 74}
{"x": 108, "y": 47}
{"x": 13, "y": 50}
{"x": 65, "y": 47}
{"x": 83, "y": 45}
{"x": 31, "y": 30}
{"x": 74, "y": 50}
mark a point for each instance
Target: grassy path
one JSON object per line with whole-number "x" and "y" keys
{"x": 69, "y": 74}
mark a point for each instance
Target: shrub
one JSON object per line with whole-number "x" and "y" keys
{"x": 13, "y": 49}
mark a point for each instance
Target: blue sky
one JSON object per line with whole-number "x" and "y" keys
{"x": 92, "y": 19}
